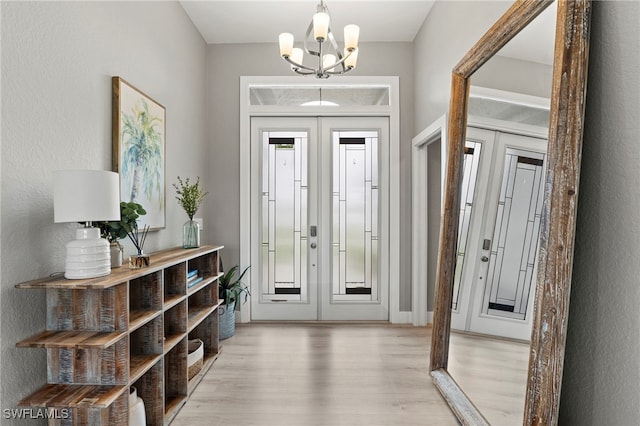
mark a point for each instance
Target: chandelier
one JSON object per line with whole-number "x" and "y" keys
{"x": 330, "y": 59}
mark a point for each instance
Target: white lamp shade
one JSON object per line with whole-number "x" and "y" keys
{"x": 286, "y": 44}
{"x": 328, "y": 61}
{"x": 85, "y": 195}
{"x": 352, "y": 59}
{"x": 351, "y": 34}
{"x": 297, "y": 56}
{"x": 320, "y": 25}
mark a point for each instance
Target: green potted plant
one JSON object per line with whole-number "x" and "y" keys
{"x": 230, "y": 289}
{"x": 113, "y": 231}
{"x": 190, "y": 196}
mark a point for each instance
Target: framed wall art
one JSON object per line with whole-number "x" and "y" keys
{"x": 139, "y": 125}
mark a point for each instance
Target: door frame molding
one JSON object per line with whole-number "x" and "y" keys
{"x": 436, "y": 131}
{"x": 392, "y": 111}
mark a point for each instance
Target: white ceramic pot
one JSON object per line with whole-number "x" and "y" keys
{"x": 137, "y": 416}
{"x": 116, "y": 255}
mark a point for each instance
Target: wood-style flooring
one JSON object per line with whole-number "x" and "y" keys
{"x": 333, "y": 374}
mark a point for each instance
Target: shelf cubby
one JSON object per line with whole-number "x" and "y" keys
{"x": 175, "y": 283}
{"x": 206, "y": 265}
{"x": 94, "y": 365}
{"x": 97, "y": 405}
{"x": 145, "y": 297}
{"x": 175, "y": 325}
{"x": 150, "y": 388}
{"x": 175, "y": 378}
{"x": 87, "y": 309}
{"x": 207, "y": 331}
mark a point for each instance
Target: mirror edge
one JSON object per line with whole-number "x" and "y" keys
{"x": 557, "y": 233}
{"x": 558, "y": 225}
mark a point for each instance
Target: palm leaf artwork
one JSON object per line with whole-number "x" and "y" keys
{"x": 142, "y": 155}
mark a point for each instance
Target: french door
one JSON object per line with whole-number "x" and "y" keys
{"x": 319, "y": 218}
{"x": 500, "y": 211}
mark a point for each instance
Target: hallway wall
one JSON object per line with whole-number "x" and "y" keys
{"x": 601, "y": 381}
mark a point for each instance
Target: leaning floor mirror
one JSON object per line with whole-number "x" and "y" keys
{"x": 553, "y": 173}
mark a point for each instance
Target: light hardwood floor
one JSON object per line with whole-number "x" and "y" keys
{"x": 320, "y": 374}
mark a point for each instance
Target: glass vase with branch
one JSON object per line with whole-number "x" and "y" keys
{"x": 138, "y": 237}
{"x": 190, "y": 197}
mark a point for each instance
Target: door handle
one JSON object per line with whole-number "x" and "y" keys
{"x": 484, "y": 258}
{"x": 313, "y": 245}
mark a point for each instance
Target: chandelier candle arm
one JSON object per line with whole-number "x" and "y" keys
{"x": 328, "y": 62}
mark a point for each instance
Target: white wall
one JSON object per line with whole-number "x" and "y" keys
{"x": 601, "y": 382}
{"x": 57, "y": 63}
{"x": 537, "y": 78}
{"x": 225, "y": 64}
{"x": 450, "y": 30}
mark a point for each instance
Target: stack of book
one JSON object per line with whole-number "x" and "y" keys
{"x": 193, "y": 278}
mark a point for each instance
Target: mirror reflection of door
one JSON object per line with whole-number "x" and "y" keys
{"x": 501, "y": 203}
{"x": 319, "y": 218}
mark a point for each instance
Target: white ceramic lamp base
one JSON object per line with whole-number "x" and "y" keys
{"x": 88, "y": 256}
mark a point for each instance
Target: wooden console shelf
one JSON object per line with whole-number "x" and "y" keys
{"x": 130, "y": 328}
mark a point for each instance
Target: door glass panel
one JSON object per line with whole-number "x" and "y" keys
{"x": 284, "y": 216}
{"x": 512, "y": 263}
{"x": 355, "y": 216}
{"x": 467, "y": 195}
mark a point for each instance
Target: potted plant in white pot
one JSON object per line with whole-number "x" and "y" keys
{"x": 113, "y": 231}
{"x": 190, "y": 196}
{"x": 230, "y": 288}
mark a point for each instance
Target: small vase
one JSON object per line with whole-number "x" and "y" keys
{"x": 191, "y": 234}
{"x": 116, "y": 255}
{"x": 138, "y": 261}
{"x": 137, "y": 416}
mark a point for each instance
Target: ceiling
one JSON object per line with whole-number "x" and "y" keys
{"x": 261, "y": 21}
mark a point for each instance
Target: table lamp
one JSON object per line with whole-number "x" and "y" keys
{"x": 86, "y": 196}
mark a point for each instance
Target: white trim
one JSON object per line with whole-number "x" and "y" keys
{"x": 245, "y": 191}
{"x": 392, "y": 111}
{"x": 507, "y": 127}
{"x": 437, "y": 131}
{"x": 404, "y": 317}
{"x": 394, "y": 202}
{"x": 510, "y": 97}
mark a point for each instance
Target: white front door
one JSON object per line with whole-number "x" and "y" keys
{"x": 319, "y": 213}
{"x": 498, "y": 240}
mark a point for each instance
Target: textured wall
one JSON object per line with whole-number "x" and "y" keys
{"x": 601, "y": 381}
{"x": 57, "y": 63}
{"x": 226, "y": 63}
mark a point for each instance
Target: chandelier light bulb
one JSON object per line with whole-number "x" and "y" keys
{"x": 328, "y": 61}
{"x": 351, "y": 34}
{"x": 286, "y": 44}
{"x": 296, "y": 56}
{"x": 320, "y": 26}
{"x": 352, "y": 59}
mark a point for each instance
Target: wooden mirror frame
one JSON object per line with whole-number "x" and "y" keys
{"x": 557, "y": 229}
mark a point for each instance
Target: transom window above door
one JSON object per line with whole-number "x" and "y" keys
{"x": 313, "y": 95}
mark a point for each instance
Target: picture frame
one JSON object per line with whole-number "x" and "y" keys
{"x": 139, "y": 147}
